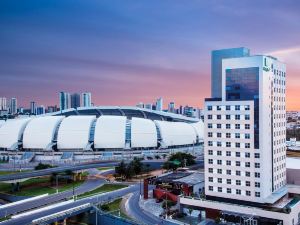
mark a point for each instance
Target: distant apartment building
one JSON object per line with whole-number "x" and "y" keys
{"x": 171, "y": 107}
{"x": 32, "y": 108}
{"x": 3, "y": 104}
{"x": 159, "y": 104}
{"x": 13, "y": 106}
{"x": 75, "y": 100}
{"x": 86, "y": 99}
{"x": 64, "y": 100}
{"x": 40, "y": 110}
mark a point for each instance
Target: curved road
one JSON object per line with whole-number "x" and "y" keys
{"x": 88, "y": 185}
{"x": 94, "y": 200}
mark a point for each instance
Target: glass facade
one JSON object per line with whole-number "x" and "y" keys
{"x": 216, "y": 67}
{"x": 242, "y": 84}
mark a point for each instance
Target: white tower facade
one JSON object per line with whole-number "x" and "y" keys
{"x": 245, "y": 131}
{"x": 86, "y": 99}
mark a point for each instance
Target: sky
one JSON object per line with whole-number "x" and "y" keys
{"x": 130, "y": 51}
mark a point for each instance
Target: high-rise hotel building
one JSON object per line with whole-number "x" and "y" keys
{"x": 245, "y": 130}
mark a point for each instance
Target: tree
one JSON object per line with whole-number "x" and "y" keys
{"x": 157, "y": 156}
{"x": 121, "y": 169}
{"x": 170, "y": 166}
{"x": 183, "y": 158}
{"x": 137, "y": 166}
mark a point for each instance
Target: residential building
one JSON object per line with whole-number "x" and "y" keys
{"x": 3, "y": 103}
{"x": 171, "y": 107}
{"x": 40, "y": 110}
{"x": 13, "y": 106}
{"x": 32, "y": 108}
{"x": 64, "y": 100}
{"x": 86, "y": 99}
{"x": 159, "y": 104}
{"x": 75, "y": 100}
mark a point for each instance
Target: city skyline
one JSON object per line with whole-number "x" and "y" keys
{"x": 131, "y": 52}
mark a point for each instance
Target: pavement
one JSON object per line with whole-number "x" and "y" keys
{"x": 88, "y": 185}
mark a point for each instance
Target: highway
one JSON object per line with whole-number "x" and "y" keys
{"x": 88, "y": 185}
{"x": 94, "y": 200}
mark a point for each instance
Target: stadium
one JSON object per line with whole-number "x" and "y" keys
{"x": 99, "y": 133}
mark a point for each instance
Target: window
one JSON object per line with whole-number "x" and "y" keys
{"x": 256, "y": 155}
{"x": 227, "y": 107}
{"x": 247, "y": 164}
{"x": 238, "y": 191}
{"x": 228, "y": 172}
{"x": 211, "y": 179}
{"x": 228, "y": 144}
{"x": 209, "y": 117}
{"x": 219, "y": 108}
{"x": 228, "y": 181}
{"x": 228, "y": 153}
{"x": 238, "y": 173}
{"x": 219, "y": 171}
{"x": 238, "y": 182}
{"x": 247, "y": 107}
{"x": 227, "y": 117}
{"x": 228, "y": 162}
{"x": 219, "y": 180}
{"x": 257, "y": 184}
{"x": 237, "y": 126}
{"x": 247, "y": 145}
{"x": 237, "y": 108}
{"x": 237, "y": 135}
{"x": 209, "y": 108}
{"x": 219, "y": 189}
{"x": 219, "y": 144}
{"x": 228, "y": 135}
{"x": 248, "y": 183}
{"x": 210, "y": 134}
{"x": 237, "y": 145}
{"x": 238, "y": 163}
{"x": 237, "y": 154}
{"x": 247, "y": 126}
{"x": 219, "y": 135}
{"x": 210, "y": 143}
{"x": 211, "y": 188}
{"x": 210, "y": 152}
{"x": 248, "y": 193}
{"x": 257, "y": 194}
{"x": 210, "y": 170}
{"x": 247, "y": 117}
{"x": 219, "y": 126}
{"x": 257, "y": 175}
{"x": 219, "y": 153}
{"x": 257, "y": 165}
{"x": 209, "y": 125}
{"x": 247, "y": 173}
{"x": 219, "y": 117}
{"x": 219, "y": 162}
{"x": 237, "y": 117}
{"x": 210, "y": 161}
{"x": 247, "y": 136}
{"x": 247, "y": 154}
{"x": 229, "y": 190}
{"x": 228, "y": 126}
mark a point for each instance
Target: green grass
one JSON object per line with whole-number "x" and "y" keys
{"x": 105, "y": 168}
{"x": 32, "y": 187}
{"x": 104, "y": 188}
{"x": 114, "y": 206}
{"x": 12, "y": 172}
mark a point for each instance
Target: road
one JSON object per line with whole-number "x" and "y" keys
{"x": 95, "y": 199}
{"x": 88, "y": 185}
{"x": 153, "y": 164}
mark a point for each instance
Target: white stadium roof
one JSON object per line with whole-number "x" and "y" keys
{"x": 143, "y": 133}
{"x": 74, "y": 132}
{"x": 2, "y": 122}
{"x": 176, "y": 133}
{"x": 110, "y": 132}
{"x": 11, "y": 133}
{"x": 40, "y": 132}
